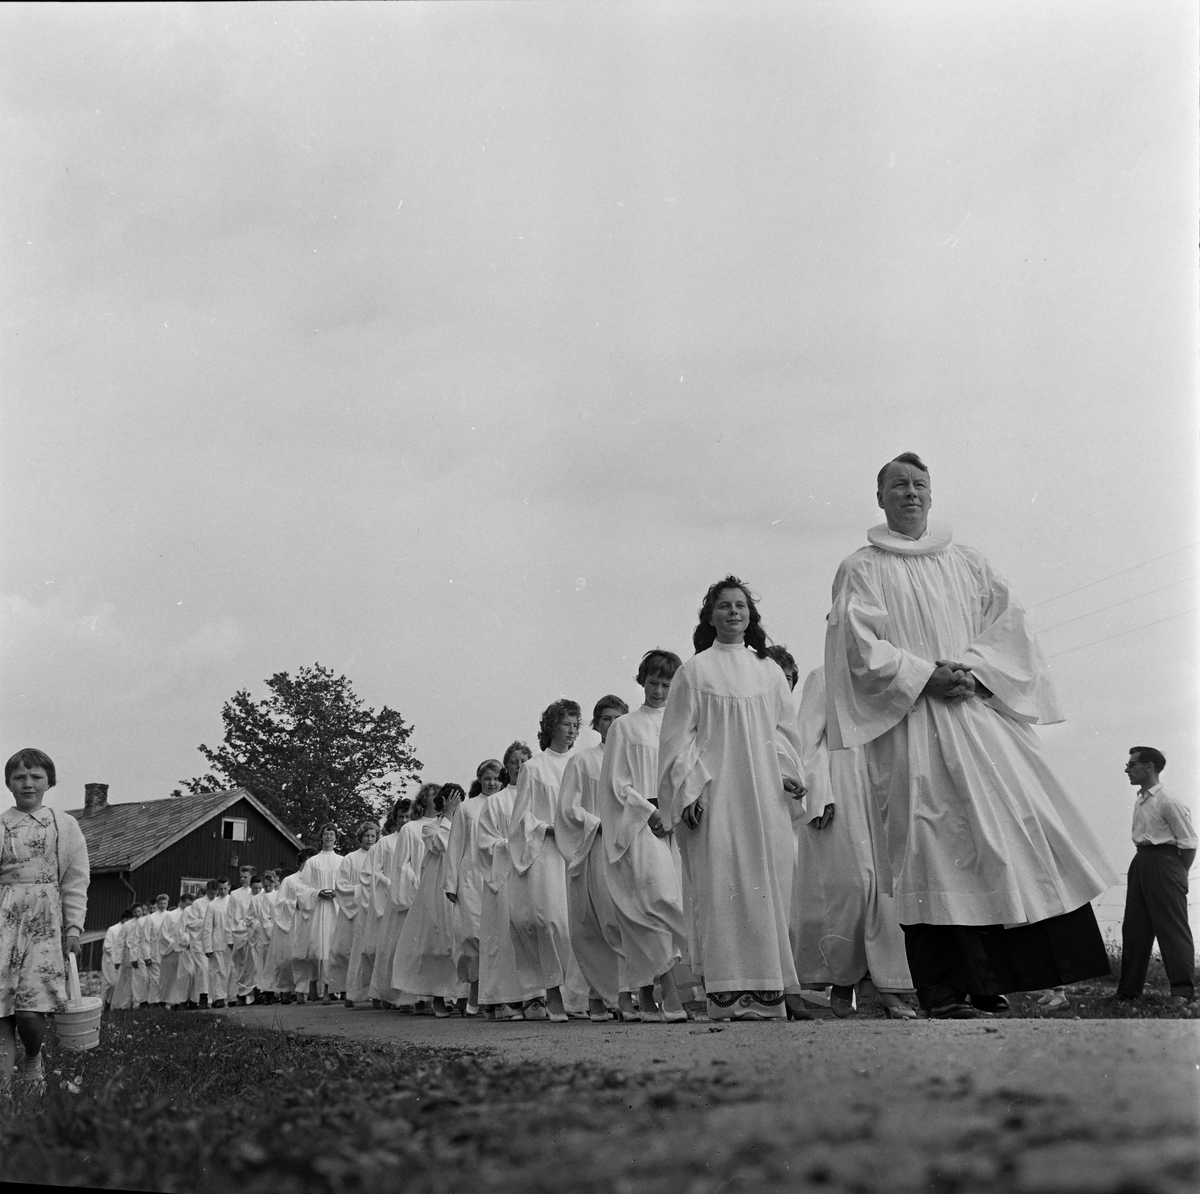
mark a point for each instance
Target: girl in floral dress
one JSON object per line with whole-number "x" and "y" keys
{"x": 43, "y": 900}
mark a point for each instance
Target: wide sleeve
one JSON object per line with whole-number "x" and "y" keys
{"x": 574, "y": 827}
{"x": 494, "y": 860}
{"x": 622, "y": 784}
{"x": 435, "y": 836}
{"x": 346, "y": 887}
{"x": 1005, "y": 656}
{"x": 871, "y": 684}
{"x": 74, "y": 873}
{"x": 456, "y": 847}
{"x": 206, "y": 933}
{"x": 814, "y": 751}
{"x": 682, "y": 775}
{"x": 526, "y": 830}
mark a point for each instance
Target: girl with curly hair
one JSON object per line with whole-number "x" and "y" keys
{"x": 728, "y": 769}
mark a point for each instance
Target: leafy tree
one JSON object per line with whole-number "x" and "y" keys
{"x": 311, "y": 751}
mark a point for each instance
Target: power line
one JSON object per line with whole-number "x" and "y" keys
{"x": 1114, "y": 605}
{"x": 1111, "y": 575}
{"x": 1122, "y": 633}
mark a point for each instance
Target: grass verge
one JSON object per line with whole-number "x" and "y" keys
{"x": 189, "y": 1102}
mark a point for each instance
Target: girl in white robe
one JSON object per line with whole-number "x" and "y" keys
{"x": 645, "y": 887}
{"x": 373, "y": 899}
{"x": 595, "y": 932}
{"x": 538, "y": 883}
{"x": 500, "y": 986}
{"x": 262, "y": 920}
{"x": 425, "y": 952}
{"x": 293, "y": 906}
{"x": 729, "y": 765}
{"x": 464, "y": 878}
{"x": 320, "y": 873}
{"x": 844, "y": 928}
{"x": 403, "y": 876}
{"x": 347, "y": 891}
{"x": 175, "y": 975}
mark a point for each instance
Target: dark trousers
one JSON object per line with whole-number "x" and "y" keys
{"x": 1156, "y": 906}
{"x": 950, "y": 961}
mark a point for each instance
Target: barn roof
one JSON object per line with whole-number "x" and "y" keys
{"x": 121, "y": 837}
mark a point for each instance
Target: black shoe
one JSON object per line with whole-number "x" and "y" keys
{"x": 954, "y": 1009}
{"x": 995, "y": 1005}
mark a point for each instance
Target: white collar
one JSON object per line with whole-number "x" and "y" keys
{"x": 937, "y": 536}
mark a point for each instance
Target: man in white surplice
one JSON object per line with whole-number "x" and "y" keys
{"x": 929, "y": 664}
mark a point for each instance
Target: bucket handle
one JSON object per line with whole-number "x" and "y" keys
{"x": 73, "y": 991}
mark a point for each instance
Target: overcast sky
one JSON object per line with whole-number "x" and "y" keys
{"x": 460, "y": 347}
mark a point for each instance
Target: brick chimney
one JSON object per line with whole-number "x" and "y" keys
{"x": 95, "y": 799}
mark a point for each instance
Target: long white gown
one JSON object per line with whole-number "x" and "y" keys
{"x": 538, "y": 915}
{"x": 425, "y": 952}
{"x": 464, "y": 879}
{"x": 373, "y": 898}
{"x": 595, "y": 933}
{"x": 729, "y": 736}
{"x": 980, "y": 830}
{"x": 320, "y": 873}
{"x": 499, "y": 981}
{"x": 403, "y": 877}
{"x": 294, "y": 905}
{"x": 347, "y": 896}
{"x": 842, "y": 925}
{"x": 642, "y": 875}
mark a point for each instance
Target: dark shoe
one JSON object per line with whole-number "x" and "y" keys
{"x": 796, "y": 1009}
{"x": 219, "y": 1003}
{"x": 954, "y": 1009}
{"x": 241, "y": 1001}
{"x": 841, "y": 1001}
{"x": 995, "y": 1005}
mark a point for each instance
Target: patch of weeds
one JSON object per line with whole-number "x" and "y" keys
{"x": 193, "y": 1102}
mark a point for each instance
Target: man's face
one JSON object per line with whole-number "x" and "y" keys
{"x": 905, "y": 498}
{"x": 223, "y": 890}
{"x": 245, "y": 875}
{"x": 162, "y": 903}
{"x": 1139, "y": 773}
{"x": 328, "y": 839}
{"x": 255, "y": 887}
{"x": 268, "y": 882}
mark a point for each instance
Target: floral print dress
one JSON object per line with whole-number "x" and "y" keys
{"x": 32, "y": 976}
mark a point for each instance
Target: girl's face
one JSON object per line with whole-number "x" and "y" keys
{"x": 565, "y": 732}
{"x": 514, "y": 763}
{"x": 328, "y": 839}
{"x": 605, "y": 720}
{"x": 656, "y": 689}
{"x": 730, "y": 616}
{"x": 28, "y": 786}
{"x": 369, "y": 837}
{"x": 489, "y": 783}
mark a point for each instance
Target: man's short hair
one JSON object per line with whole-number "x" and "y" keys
{"x": 904, "y": 458}
{"x": 212, "y": 885}
{"x": 1147, "y": 754}
{"x": 162, "y": 896}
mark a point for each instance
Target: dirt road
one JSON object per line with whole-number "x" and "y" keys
{"x": 1026, "y": 1105}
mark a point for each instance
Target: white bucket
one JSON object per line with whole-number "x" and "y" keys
{"x": 79, "y": 1026}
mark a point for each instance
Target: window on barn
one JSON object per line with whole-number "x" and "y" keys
{"x": 192, "y": 887}
{"x": 233, "y": 829}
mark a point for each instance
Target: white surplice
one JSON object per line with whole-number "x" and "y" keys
{"x": 538, "y": 884}
{"x": 320, "y": 873}
{"x": 729, "y": 736}
{"x": 595, "y": 933}
{"x": 464, "y": 880}
{"x": 294, "y": 905}
{"x": 642, "y": 877}
{"x": 980, "y": 831}
{"x": 425, "y": 952}
{"x": 347, "y": 895}
{"x": 842, "y": 925}
{"x": 499, "y": 981}
{"x": 403, "y": 878}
